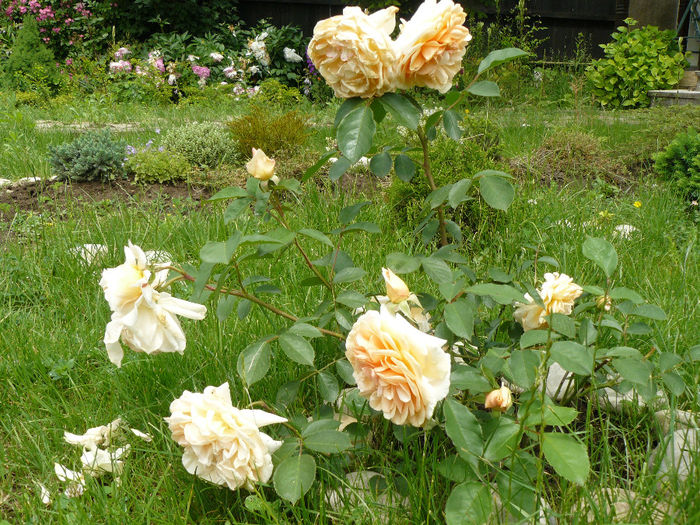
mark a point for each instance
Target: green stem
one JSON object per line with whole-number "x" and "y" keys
{"x": 431, "y": 182}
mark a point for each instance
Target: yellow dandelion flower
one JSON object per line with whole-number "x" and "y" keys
{"x": 637, "y": 204}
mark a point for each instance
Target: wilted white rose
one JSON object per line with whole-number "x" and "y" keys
{"x": 98, "y": 461}
{"x": 402, "y": 371}
{"x": 94, "y": 437}
{"x": 354, "y": 52}
{"x": 290, "y": 55}
{"x": 431, "y": 45}
{"x": 122, "y": 285}
{"x": 558, "y": 293}
{"x": 76, "y": 480}
{"x": 260, "y": 165}
{"x": 222, "y": 443}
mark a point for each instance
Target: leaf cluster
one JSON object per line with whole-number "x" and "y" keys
{"x": 203, "y": 144}
{"x": 153, "y": 166}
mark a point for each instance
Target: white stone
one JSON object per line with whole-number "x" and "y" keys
{"x": 5, "y": 182}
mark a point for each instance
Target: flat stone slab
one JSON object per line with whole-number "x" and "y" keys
{"x": 674, "y": 97}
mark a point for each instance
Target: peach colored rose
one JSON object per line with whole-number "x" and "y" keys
{"x": 354, "y": 52}
{"x": 431, "y": 45}
{"x": 396, "y": 289}
{"x": 402, "y": 371}
{"x": 558, "y": 293}
{"x": 500, "y": 399}
{"x": 260, "y": 165}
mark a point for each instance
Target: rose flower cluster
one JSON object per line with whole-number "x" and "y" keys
{"x": 355, "y": 54}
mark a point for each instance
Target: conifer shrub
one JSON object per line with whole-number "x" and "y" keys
{"x": 93, "y": 156}
{"x": 31, "y": 65}
{"x": 680, "y": 163}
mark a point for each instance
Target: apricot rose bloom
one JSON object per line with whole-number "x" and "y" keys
{"x": 431, "y": 46}
{"x": 223, "y": 444}
{"x": 500, "y": 399}
{"x": 558, "y": 293}
{"x": 402, "y": 371}
{"x": 354, "y": 52}
{"x": 144, "y": 318}
{"x": 260, "y": 165}
{"x": 396, "y": 289}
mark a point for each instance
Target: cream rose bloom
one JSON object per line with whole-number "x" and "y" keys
{"x": 260, "y": 165}
{"x": 431, "y": 45}
{"x": 396, "y": 289}
{"x": 354, "y": 52}
{"x": 402, "y": 371}
{"x": 144, "y": 318}
{"x": 223, "y": 444}
{"x": 500, "y": 399}
{"x": 558, "y": 293}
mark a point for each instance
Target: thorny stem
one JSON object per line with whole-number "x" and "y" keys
{"x": 431, "y": 182}
{"x": 254, "y": 299}
{"x": 280, "y": 219}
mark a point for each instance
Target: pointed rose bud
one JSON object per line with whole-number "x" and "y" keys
{"x": 500, "y": 399}
{"x": 261, "y": 166}
{"x": 396, "y": 289}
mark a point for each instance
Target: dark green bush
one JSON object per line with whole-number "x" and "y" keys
{"x": 450, "y": 162}
{"x": 265, "y": 129}
{"x": 31, "y": 65}
{"x": 201, "y": 143}
{"x": 153, "y": 166}
{"x": 94, "y": 156}
{"x": 680, "y": 163}
{"x": 636, "y": 61}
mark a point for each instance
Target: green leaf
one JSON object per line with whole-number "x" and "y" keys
{"x": 668, "y": 360}
{"x": 568, "y": 457}
{"x": 436, "y": 269}
{"x": 356, "y": 132}
{"x": 254, "y": 361}
{"x": 650, "y": 311}
{"x": 500, "y": 56}
{"x": 317, "y": 235}
{"x": 235, "y": 209}
{"x": 438, "y": 196}
{"x": 485, "y": 88}
{"x": 469, "y": 504}
{"x": 348, "y": 214}
{"x": 455, "y": 469}
{"x": 380, "y": 164}
{"x": 622, "y": 293}
{"x": 401, "y": 109}
{"x": 458, "y": 192}
{"x": 348, "y": 275}
{"x": 450, "y": 121}
{"x": 552, "y": 415}
{"x": 328, "y": 386}
{"x": 534, "y": 338}
{"x": 602, "y": 253}
{"x": 318, "y": 165}
{"x": 459, "y": 317}
{"x": 305, "y": 330}
{"x": 501, "y": 293}
{"x": 233, "y": 192}
{"x": 297, "y": 349}
{"x": 563, "y": 324}
{"x": 351, "y": 299}
{"x": 339, "y": 168}
{"x": 674, "y": 382}
{"x": 501, "y": 442}
{"x": 573, "y": 357}
{"x": 344, "y": 369}
{"x": 404, "y": 167}
{"x": 294, "y": 477}
{"x": 523, "y": 366}
{"x": 402, "y": 263}
{"x": 634, "y": 370}
{"x": 327, "y": 441}
{"x": 214, "y": 252}
{"x": 225, "y": 307}
{"x": 465, "y": 377}
{"x": 464, "y": 431}
{"x": 345, "y": 108}
{"x": 496, "y": 191}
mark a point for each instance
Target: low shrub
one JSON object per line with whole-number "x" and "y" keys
{"x": 153, "y": 166}
{"x": 571, "y": 155}
{"x": 274, "y": 92}
{"x": 93, "y": 156}
{"x": 29, "y": 98}
{"x": 451, "y": 162}
{"x": 680, "y": 163}
{"x": 201, "y": 143}
{"x": 636, "y": 61}
{"x": 270, "y": 131}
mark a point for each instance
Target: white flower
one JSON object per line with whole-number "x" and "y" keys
{"x": 172, "y": 79}
{"x": 98, "y": 461}
{"x": 192, "y": 58}
{"x": 223, "y": 444}
{"x": 144, "y": 318}
{"x": 558, "y": 293}
{"x": 76, "y": 485}
{"x": 230, "y": 72}
{"x": 216, "y": 57}
{"x": 253, "y": 70}
{"x": 291, "y": 56}
{"x": 402, "y": 371}
{"x": 95, "y": 436}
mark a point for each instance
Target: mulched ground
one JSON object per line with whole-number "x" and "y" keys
{"x": 34, "y": 197}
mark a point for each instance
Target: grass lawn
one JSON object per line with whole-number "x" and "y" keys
{"x": 56, "y": 375}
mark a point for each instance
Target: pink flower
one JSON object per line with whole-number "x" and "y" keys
{"x": 159, "y": 65}
{"x": 69, "y": 61}
{"x": 202, "y": 72}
